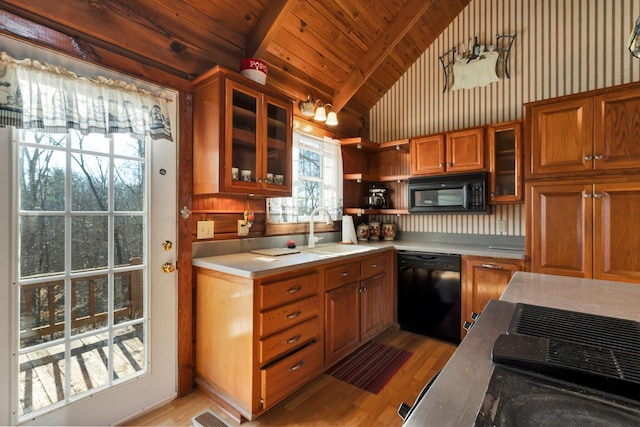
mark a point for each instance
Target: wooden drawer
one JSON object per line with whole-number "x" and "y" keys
{"x": 342, "y": 274}
{"x": 289, "y": 339}
{"x": 284, "y": 291}
{"x": 283, "y": 317}
{"x": 373, "y": 265}
{"x": 288, "y": 374}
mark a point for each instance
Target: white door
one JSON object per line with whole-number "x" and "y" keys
{"x": 93, "y": 335}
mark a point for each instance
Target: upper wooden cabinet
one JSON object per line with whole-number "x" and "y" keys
{"x": 242, "y": 136}
{"x": 451, "y": 152}
{"x": 505, "y": 162}
{"x": 585, "y": 134}
{"x": 585, "y": 228}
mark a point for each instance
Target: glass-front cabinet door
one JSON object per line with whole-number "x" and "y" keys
{"x": 277, "y": 173}
{"x": 505, "y": 148}
{"x": 258, "y": 142}
{"x": 242, "y": 155}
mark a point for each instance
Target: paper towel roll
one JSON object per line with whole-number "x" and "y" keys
{"x": 348, "y": 230}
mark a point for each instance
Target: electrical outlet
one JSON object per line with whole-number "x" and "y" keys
{"x": 205, "y": 229}
{"x": 501, "y": 226}
{"x": 243, "y": 229}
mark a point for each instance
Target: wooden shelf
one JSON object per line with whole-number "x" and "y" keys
{"x": 363, "y": 144}
{"x": 360, "y": 177}
{"x": 366, "y": 211}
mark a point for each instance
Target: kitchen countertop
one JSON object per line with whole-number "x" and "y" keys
{"x": 456, "y": 395}
{"x": 250, "y": 265}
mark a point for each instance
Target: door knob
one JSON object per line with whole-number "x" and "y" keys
{"x": 167, "y": 245}
{"x": 168, "y": 267}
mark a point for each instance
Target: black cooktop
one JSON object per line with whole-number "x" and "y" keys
{"x": 560, "y": 367}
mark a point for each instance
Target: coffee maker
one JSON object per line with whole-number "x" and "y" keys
{"x": 377, "y": 197}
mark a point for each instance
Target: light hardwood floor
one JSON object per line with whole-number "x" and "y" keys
{"x": 327, "y": 401}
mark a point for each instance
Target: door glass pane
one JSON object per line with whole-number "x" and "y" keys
{"x": 82, "y": 283}
{"x": 89, "y": 244}
{"x": 41, "y": 245}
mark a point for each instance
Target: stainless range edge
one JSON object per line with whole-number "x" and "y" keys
{"x": 456, "y": 395}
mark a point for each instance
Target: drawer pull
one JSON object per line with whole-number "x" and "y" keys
{"x": 293, "y": 339}
{"x": 293, "y": 315}
{"x": 294, "y": 290}
{"x": 345, "y": 274}
{"x": 495, "y": 267}
{"x": 374, "y": 265}
{"x": 296, "y": 366}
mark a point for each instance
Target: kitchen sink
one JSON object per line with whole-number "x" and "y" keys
{"x": 330, "y": 251}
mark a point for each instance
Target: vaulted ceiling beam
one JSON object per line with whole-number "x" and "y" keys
{"x": 275, "y": 12}
{"x": 404, "y": 21}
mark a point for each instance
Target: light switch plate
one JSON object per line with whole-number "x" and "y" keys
{"x": 501, "y": 226}
{"x": 205, "y": 229}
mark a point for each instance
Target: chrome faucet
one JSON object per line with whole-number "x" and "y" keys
{"x": 312, "y": 239}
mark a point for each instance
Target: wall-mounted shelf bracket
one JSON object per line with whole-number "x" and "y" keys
{"x": 504, "y": 42}
{"x": 447, "y": 60}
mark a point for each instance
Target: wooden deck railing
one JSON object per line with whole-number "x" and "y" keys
{"x": 43, "y": 304}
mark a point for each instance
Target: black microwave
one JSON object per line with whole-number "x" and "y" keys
{"x": 460, "y": 193}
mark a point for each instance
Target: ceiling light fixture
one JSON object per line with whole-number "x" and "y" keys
{"x": 319, "y": 111}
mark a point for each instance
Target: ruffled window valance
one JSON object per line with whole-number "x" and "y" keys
{"x": 36, "y": 95}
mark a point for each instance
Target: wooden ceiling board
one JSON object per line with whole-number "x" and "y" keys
{"x": 346, "y": 52}
{"x": 337, "y": 52}
{"x": 209, "y": 17}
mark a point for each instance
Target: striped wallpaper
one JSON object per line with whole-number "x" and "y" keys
{"x": 561, "y": 47}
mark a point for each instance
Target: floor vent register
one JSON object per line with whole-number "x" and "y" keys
{"x": 207, "y": 419}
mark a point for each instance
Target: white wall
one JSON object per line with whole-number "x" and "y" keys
{"x": 562, "y": 47}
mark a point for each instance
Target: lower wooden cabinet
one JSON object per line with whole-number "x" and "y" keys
{"x": 360, "y": 310}
{"x": 258, "y": 340}
{"x": 483, "y": 279}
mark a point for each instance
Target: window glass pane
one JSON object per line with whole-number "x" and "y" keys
{"x": 308, "y": 196}
{"x": 309, "y": 163}
{"x": 128, "y": 185}
{"x": 89, "y": 245}
{"x": 90, "y": 182}
{"x": 42, "y": 377}
{"x": 127, "y": 239}
{"x": 37, "y": 137}
{"x": 128, "y": 146}
{"x": 89, "y": 304}
{"x": 41, "y": 313}
{"x": 42, "y": 179}
{"x": 92, "y": 142}
{"x": 128, "y": 295}
{"x": 41, "y": 245}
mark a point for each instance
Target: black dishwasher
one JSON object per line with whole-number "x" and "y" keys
{"x": 429, "y": 294}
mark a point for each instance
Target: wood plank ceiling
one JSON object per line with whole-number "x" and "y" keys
{"x": 344, "y": 52}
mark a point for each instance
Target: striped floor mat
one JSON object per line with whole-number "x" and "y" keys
{"x": 371, "y": 366}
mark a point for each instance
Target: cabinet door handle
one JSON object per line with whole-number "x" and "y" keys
{"x": 296, "y": 366}
{"x": 588, "y": 157}
{"x": 598, "y": 195}
{"x": 293, "y": 339}
{"x": 293, "y": 315}
{"x": 588, "y": 195}
{"x": 440, "y": 165}
{"x": 449, "y": 164}
{"x": 598, "y": 157}
{"x": 492, "y": 266}
{"x": 294, "y": 290}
